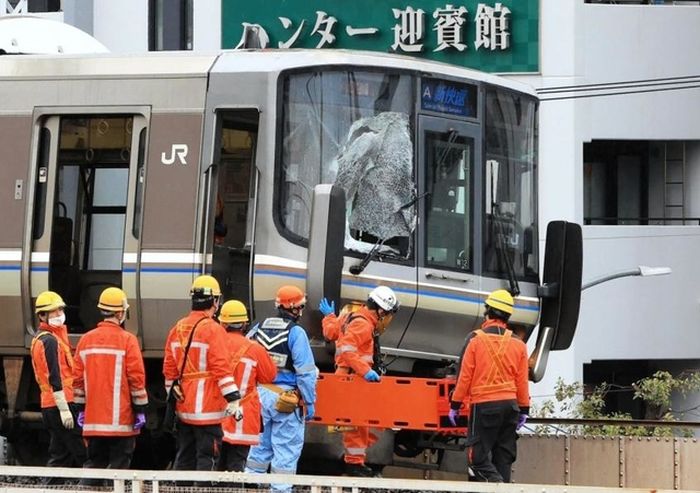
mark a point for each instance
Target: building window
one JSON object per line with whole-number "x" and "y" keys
{"x": 170, "y": 25}
{"x": 635, "y": 182}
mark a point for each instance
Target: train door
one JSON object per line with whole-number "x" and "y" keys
{"x": 88, "y": 177}
{"x": 232, "y": 202}
{"x": 449, "y": 151}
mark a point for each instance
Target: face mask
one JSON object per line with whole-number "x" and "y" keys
{"x": 122, "y": 320}
{"x": 57, "y": 321}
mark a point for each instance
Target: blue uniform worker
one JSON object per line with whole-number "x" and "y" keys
{"x": 288, "y": 345}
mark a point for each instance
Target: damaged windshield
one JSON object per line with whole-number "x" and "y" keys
{"x": 353, "y": 129}
{"x": 510, "y": 246}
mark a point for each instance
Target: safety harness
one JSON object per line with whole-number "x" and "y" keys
{"x": 496, "y": 378}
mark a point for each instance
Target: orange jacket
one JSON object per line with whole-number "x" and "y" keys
{"x": 354, "y": 348}
{"x": 251, "y": 365}
{"x": 53, "y": 363}
{"x": 494, "y": 367}
{"x": 110, "y": 380}
{"x": 207, "y": 376}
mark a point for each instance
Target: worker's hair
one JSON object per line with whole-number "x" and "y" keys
{"x": 199, "y": 304}
{"x": 237, "y": 326}
{"x": 371, "y": 304}
{"x": 498, "y": 314}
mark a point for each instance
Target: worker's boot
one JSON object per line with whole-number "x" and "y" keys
{"x": 359, "y": 470}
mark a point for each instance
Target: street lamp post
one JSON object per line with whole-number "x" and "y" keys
{"x": 642, "y": 270}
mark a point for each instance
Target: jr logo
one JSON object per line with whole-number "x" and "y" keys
{"x": 177, "y": 150}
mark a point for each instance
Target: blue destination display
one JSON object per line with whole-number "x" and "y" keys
{"x": 448, "y": 97}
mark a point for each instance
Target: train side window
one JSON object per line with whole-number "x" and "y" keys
{"x": 42, "y": 173}
{"x": 140, "y": 182}
{"x": 449, "y": 163}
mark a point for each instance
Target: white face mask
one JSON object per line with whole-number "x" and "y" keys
{"x": 57, "y": 321}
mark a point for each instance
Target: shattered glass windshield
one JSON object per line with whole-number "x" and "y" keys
{"x": 352, "y": 129}
{"x": 510, "y": 188}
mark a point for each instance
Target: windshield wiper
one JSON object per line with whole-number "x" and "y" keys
{"x": 358, "y": 268}
{"x": 501, "y": 248}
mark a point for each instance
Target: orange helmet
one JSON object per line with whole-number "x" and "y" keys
{"x": 290, "y": 297}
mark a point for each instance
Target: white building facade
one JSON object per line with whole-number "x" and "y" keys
{"x": 619, "y": 153}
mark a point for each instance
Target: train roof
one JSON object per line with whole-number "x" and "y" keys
{"x": 188, "y": 64}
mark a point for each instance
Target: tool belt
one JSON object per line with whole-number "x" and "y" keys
{"x": 287, "y": 400}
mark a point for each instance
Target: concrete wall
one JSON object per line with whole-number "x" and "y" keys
{"x": 121, "y": 26}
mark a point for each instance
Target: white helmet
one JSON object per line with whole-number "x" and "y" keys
{"x": 385, "y": 298}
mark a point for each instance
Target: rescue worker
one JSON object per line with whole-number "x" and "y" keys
{"x": 53, "y": 369}
{"x": 251, "y": 366}
{"x": 288, "y": 345}
{"x": 110, "y": 382}
{"x": 205, "y": 379}
{"x": 493, "y": 380}
{"x": 357, "y": 351}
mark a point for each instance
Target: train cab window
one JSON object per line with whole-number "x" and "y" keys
{"x": 510, "y": 187}
{"x": 448, "y": 166}
{"x": 351, "y": 128}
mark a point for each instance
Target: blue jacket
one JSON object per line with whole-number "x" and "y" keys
{"x": 288, "y": 346}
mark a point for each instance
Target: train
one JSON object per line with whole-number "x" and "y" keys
{"x": 331, "y": 170}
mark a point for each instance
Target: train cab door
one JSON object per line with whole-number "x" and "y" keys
{"x": 87, "y": 190}
{"x": 232, "y": 202}
{"x": 449, "y": 151}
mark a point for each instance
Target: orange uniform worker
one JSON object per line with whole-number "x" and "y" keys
{"x": 205, "y": 378}
{"x": 357, "y": 348}
{"x": 493, "y": 380}
{"x": 110, "y": 382}
{"x": 53, "y": 369}
{"x": 251, "y": 365}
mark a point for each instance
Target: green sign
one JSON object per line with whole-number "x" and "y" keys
{"x": 486, "y": 35}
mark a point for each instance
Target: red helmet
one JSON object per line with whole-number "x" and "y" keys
{"x": 290, "y": 297}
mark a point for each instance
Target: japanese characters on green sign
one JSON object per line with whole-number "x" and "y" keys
{"x": 488, "y": 35}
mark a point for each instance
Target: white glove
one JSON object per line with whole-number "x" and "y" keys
{"x": 234, "y": 409}
{"x": 64, "y": 410}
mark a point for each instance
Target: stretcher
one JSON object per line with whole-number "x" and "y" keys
{"x": 396, "y": 403}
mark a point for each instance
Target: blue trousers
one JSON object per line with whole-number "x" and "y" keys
{"x": 280, "y": 442}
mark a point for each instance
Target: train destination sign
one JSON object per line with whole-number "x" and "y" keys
{"x": 493, "y": 36}
{"x": 448, "y": 97}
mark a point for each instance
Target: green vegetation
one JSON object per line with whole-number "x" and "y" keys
{"x": 574, "y": 401}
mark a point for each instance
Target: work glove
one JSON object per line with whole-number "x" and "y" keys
{"x": 326, "y": 307}
{"x": 310, "y": 411}
{"x": 522, "y": 419}
{"x": 140, "y": 421}
{"x": 453, "y": 415}
{"x": 233, "y": 408}
{"x": 81, "y": 418}
{"x": 64, "y": 410}
{"x": 372, "y": 376}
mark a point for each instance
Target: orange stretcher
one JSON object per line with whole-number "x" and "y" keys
{"x": 395, "y": 403}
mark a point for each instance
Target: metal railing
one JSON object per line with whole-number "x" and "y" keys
{"x": 18, "y": 480}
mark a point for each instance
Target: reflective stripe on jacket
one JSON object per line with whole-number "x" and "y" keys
{"x": 207, "y": 375}
{"x": 354, "y": 348}
{"x": 53, "y": 363}
{"x": 494, "y": 367}
{"x": 110, "y": 380}
{"x": 254, "y": 366}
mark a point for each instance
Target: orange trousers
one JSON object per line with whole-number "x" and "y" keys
{"x": 357, "y": 441}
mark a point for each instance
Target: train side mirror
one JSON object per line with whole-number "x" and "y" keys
{"x": 324, "y": 265}
{"x": 560, "y": 293}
